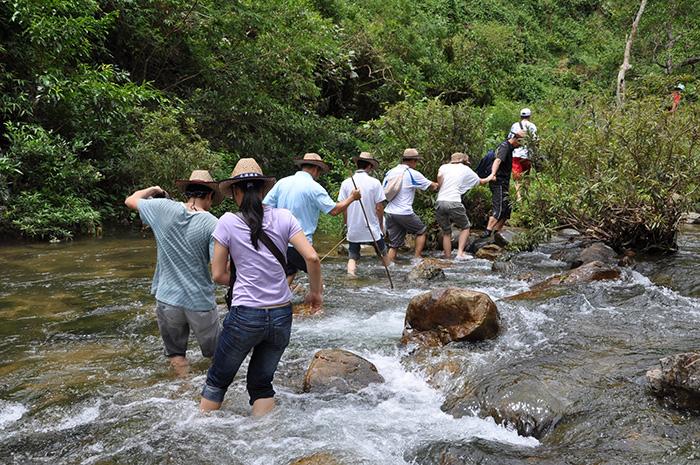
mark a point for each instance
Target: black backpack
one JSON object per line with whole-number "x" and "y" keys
{"x": 483, "y": 169}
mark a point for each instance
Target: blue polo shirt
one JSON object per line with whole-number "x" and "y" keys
{"x": 304, "y": 197}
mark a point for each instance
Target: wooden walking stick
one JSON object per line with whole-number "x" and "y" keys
{"x": 376, "y": 246}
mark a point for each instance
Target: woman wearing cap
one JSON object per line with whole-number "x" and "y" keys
{"x": 260, "y": 318}
{"x": 521, "y": 155}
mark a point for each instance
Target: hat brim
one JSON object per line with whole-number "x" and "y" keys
{"x": 226, "y": 185}
{"x": 182, "y": 184}
{"x": 325, "y": 168}
{"x": 373, "y": 161}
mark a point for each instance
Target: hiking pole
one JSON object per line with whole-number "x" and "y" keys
{"x": 376, "y": 246}
{"x": 333, "y": 248}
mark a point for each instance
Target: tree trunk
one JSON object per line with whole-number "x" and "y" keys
{"x": 628, "y": 49}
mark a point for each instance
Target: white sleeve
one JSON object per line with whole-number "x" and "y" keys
{"x": 421, "y": 182}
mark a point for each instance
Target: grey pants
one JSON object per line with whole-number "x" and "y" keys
{"x": 174, "y": 324}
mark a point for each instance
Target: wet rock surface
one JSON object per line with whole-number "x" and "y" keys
{"x": 677, "y": 380}
{"x": 489, "y": 252}
{"x": 524, "y": 404}
{"x": 598, "y": 252}
{"x": 427, "y": 270}
{"x": 320, "y": 458}
{"x": 341, "y": 371}
{"x": 594, "y": 271}
{"x": 477, "y": 452}
{"x": 452, "y": 314}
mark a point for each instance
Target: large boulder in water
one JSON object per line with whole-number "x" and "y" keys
{"x": 339, "y": 370}
{"x": 319, "y": 458}
{"x": 524, "y": 404}
{"x": 489, "y": 252}
{"x": 678, "y": 380}
{"x": 445, "y": 315}
{"x": 594, "y": 271}
{"x": 477, "y": 451}
{"x": 598, "y": 252}
{"x": 428, "y": 269}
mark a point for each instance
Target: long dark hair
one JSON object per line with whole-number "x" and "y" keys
{"x": 251, "y": 208}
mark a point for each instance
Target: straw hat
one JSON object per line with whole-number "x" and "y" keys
{"x": 458, "y": 157}
{"x": 204, "y": 178}
{"x": 411, "y": 154}
{"x": 247, "y": 169}
{"x": 313, "y": 159}
{"x": 366, "y": 156}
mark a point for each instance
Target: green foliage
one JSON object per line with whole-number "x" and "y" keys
{"x": 622, "y": 175}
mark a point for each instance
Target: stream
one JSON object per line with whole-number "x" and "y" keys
{"x": 83, "y": 379}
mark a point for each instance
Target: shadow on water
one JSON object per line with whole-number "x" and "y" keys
{"x": 83, "y": 379}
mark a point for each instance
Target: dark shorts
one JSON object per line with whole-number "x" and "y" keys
{"x": 265, "y": 332}
{"x": 521, "y": 166}
{"x": 447, "y": 213}
{"x": 354, "y": 248}
{"x": 500, "y": 200}
{"x": 174, "y": 324}
{"x": 397, "y": 226}
{"x": 295, "y": 262}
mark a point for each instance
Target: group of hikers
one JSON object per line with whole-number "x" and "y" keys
{"x": 258, "y": 251}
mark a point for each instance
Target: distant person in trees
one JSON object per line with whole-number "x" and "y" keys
{"x": 455, "y": 179}
{"x": 373, "y": 201}
{"x": 400, "y": 217}
{"x": 521, "y": 155}
{"x": 500, "y": 183}
{"x": 306, "y": 199}
{"x": 676, "y": 96}
{"x": 182, "y": 284}
{"x": 260, "y": 317}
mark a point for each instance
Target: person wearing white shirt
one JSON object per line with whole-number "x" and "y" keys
{"x": 400, "y": 218}
{"x": 521, "y": 155}
{"x": 361, "y": 230}
{"x": 454, "y": 179}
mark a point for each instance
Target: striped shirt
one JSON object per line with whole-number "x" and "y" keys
{"x": 185, "y": 247}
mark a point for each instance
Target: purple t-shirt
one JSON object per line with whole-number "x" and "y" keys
{"x": 260, "y": 278}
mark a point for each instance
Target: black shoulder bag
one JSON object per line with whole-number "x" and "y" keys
{"x": 265, "y": 239}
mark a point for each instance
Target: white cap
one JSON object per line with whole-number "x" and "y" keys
{"x": 525, "y": 112}
{"x": 680, "y": 86}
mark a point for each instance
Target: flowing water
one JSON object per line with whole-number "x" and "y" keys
{"x": 83, "y": 379}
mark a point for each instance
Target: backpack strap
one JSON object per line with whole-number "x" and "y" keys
{"x": 267, "y": 241}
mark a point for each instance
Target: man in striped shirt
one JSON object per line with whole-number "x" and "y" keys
{"x": 182, "y": 281}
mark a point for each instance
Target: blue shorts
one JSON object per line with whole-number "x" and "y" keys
{"x": 265, "y": 332}
{"x": 354, "y": 248}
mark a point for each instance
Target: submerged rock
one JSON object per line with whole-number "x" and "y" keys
{"x": 598, "y": 252}
{"x": 678, "y": 380}
{"x": 475, "y": 452}
{"x": 489, "y": 252}
{"x": 319, "y": 458}
{"x": 594, "y": 271}
{"x": 428, "y": 269}
{"x": 339, "y": 370}
{"x": 446, "y": 315}
{"x": 525, "y": 405}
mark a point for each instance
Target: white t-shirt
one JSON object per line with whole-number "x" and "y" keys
{"x": 521, "y": 152}
{"x": 456, "y": 180}
{"x": 372, "y": 194}
{"x": 402, "y": 204}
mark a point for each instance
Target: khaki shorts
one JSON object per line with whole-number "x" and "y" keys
{"x": 447, "y": 213}
{"x": 174, "y": 324}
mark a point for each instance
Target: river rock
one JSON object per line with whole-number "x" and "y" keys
{"x": 569, "y": 255}
{"x": 428, "y": 269}
{"x": 569, "y": 232}
{"x": 594, "y": 271}
{"x": 598, "y": 252}
{"x": 691, "y": 218}
{"x": 489, "y": 252}
{"x": 339, "y": 370}
{"x": 475, "y": 452}
{"x": 678, "y": 380}
{"x": 319, "y": 458}
{"x": 524, "y": 404}
{"x": 446, "y": 315}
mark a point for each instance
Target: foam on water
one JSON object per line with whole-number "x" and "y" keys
{"x": 10, "y": 412}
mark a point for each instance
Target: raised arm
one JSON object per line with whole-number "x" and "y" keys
{"x": 133, "y": 200}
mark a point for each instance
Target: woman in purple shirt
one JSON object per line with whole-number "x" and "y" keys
{"x": 260, "y": 319}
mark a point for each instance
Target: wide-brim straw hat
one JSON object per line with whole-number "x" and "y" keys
{"x": 204, "y": 178}
{"x": 410, "y": 154}
{"x": 313, "y": 159}
{"x": 458, "y": 157}
{"x": 366, "y": 156}
{"x": 247, "y": 169}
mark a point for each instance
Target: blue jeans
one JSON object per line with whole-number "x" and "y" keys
{"x": 265, "y": 332}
